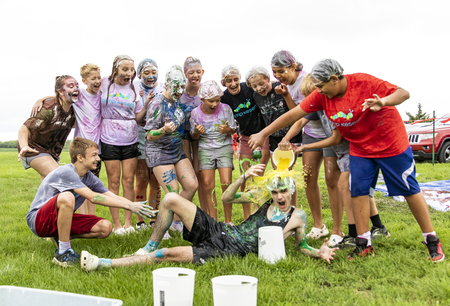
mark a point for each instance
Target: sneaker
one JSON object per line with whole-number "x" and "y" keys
{"x": 334, "y": 240}
{"x": 317, "y": 233}
{"x": 166, "y": 236}
{"x": 67, "y": 259}
{"x": 177, "y": 226}
{"x": 141, "y": 226}
{"x": 434, "y": 247}
{"x": 88, "y": 261}
{"x": 378, "y": 232}
{"x": 141, "y": 251}
{"x": 121, "y": 231}
{"x": 346, "y": 242}
{"x": 129, "y": 230}
{"x": 361, "y": 249}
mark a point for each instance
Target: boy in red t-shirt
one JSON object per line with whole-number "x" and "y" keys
{"x": 378, "y": 140}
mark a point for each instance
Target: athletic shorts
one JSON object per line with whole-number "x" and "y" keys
{"x": 46, "y": 221}
{"x": 245, "y": 149}
{"x": 372, "y": 187}
{"x": 187, "y": 136}
{"x": 182, "y": 156}
{"x": 327, "y": 152}
{"x": 27, "y": 160}
{"x": 112, "y": 152}
{"x": 142, "y": 134}
{"x": 207, "y": 238}
{"x": 399, "y": 174}
{"x": 217, "y": 158}
{"x": 344, "y": 163}
{"x": 274, "y": 141}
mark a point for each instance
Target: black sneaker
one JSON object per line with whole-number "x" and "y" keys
{"x": 346, "y": 242}
{"x": 434, "y": 247}
{"x": 67, "y": 259}
{"x": 378, "y": 232}
{"x": 361, "y": 249}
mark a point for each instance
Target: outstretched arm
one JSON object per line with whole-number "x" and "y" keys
{"x": 295, "y": 129}
{"x": 333, "y": 140}
{"x": 23, "y": 142}
{"x": 232, "y": 196}
{"x": 376, "y": 103}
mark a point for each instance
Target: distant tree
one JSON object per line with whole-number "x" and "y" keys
{"x": 8, "y": 144}
{"x": 421, "y": 115}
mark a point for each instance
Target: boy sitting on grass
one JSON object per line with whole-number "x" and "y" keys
{"x": 212, "y": 239}
{"x": 63, "y": 191}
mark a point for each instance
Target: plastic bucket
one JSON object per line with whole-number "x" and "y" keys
{"x": 235, "y": 290}
{"x": 173, "y": 286}
{"x": 271, "y": 244}
{"x": 287, "y": 158}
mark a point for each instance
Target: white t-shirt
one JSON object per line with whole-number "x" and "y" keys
{"x": 118, "y": 125}
{"x": 89, "y": 118}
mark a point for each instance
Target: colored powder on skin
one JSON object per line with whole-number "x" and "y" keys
{"x": 170, "y": 189}
{"x": 160, "y": 253}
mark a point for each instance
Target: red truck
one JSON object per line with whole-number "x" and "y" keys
{"x": 420, "y": 136}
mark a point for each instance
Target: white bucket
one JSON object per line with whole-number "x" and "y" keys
{"x": 173, "y": 286}
{"x": 271, "y": 244}
{"x": 235, "y": 290}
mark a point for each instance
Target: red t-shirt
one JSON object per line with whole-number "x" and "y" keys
{"x": 371, "y": 134}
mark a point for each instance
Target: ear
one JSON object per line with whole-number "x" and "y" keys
{"x": 334, "y": 79}
{"x": 84, "y": 81}
{"x": 80, "y": 158}
{"x": 61, "y": 92}
{"x": 203, "y": 71}
{"x": 293, "y": 66}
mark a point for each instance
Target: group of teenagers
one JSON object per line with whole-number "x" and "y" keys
{"x": 178, "y": 132}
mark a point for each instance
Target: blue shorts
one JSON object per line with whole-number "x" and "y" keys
{"x": 399, "y": 173}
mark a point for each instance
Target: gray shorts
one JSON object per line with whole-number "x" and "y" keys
{"x": 142, "y": 134}
{"x": 211, "y": 159}
{"x": 27, "y": 160}
{"x": 344, "y": 163}
{"x": 327, "y": 152}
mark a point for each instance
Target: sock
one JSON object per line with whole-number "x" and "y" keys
{"x": 104, "y": 263}
{"x": 376, "y": 221}
{"x": 426, "y": 234}
{"x": 367, "y": 235}
{"x": 151, "y": 246}
{"x": 352, "y": 230}
{"x": 63, "y": 246}
{"x": 176, "y": 222}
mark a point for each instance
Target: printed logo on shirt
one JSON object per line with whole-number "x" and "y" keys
{"x": 343, "y": 115}
{"x": 242, "y": 106}
{"x": 119, "y": 95}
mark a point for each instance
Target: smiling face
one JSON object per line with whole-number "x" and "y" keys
{"x": 93, "y": 81}
{"x": 330, "y": 89}
{"x": 91, "y": 158}
{"x": 70, "y": 90}
{"x": 149, "y": 76}
{"x": 124, "y": 73}
{"x": 281, "y": 199}
{"x": 285, "y": 75}
{"x": 210, "y": 105}
{"x": 176, "y": 89}
{"x": 194, "y": 74}
{"x": 232, "y": 82}
{"x": 261, "y": 84}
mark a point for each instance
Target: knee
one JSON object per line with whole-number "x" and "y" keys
{"x": 192, "y": 185}
{"x": 128, "y": 182}
{"x": 66, "y": 199}
{"x": 114, "y": 181}
{"x": 169, "y": 200}
{"x": 331, "y": 182}
{"x": 343, "y": 186}
{"x": 105, "y": 228}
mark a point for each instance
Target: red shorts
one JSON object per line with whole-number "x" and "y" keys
{"x": 244, "y": 148}
{"x": 46, "y": 221}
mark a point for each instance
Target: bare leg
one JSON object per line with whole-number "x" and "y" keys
{"x": 128, "y": 171}
{"x": 225, "y": 181}
{"x": 311, "y": 165}
{"x": 209, "y": 183}
{"x": 373, "y": 207}
{"x": 154, "y": 194}
{"x": 202, "y": 194}
{"x": 332, "y": 174}
{"x": 44, "y": 165}
{"x": 113, "y": 173}
{"x": 65, "y": 204}
{"x": 346, "y": 197}
{"x": 140, "y": 191}
{"x": 246, "y": 207}
{"x": 187, "y": 179}
{"x": 419, "y": 209}
{"x": 176, "y": 254}
{"x": 361, "y": 212}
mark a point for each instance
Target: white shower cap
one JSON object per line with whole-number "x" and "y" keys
{"x": 209, "y": 90}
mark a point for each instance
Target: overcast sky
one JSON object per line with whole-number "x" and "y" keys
{"x": 405, "y": 42}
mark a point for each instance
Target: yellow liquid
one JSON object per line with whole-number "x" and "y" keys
{"x": 283, "y": 164}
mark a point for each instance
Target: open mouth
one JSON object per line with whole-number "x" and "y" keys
{"x": 97, "y": 86}
{"x": 74, "y": 96}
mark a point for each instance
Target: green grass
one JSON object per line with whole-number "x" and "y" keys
{"x": 399, "y": 273}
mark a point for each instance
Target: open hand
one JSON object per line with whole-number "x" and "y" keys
{"x": 374, "y": 104}
{"x": 254, "y": 170}
{"x": 24, "y": 150}
{"x": 327, "y": 253}
{"x": 149, "y": 97}
{"x": 143, "y": 210}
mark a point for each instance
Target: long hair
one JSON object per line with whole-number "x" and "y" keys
{"x": 116, "y": 64}
{"x": 59, "y": 83}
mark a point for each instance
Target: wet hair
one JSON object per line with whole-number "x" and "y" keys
{"x": 285, "y": 58}
{"x": 307, "y": 86}
{"x": 254, "y": 72}
{"x": 59, "y": 83}
{"x": 79, "y": 146}
{"x": 116, "y": 64}
{"x": 277, "y": 182}
{"x": 86, "y": 69}
{"x": 189, "y": 61}
{"x": 227, "y": 71}
{"x": 324, "y": 69}
{"x": 209, "y": 90}
{"x": 143, "y": 64}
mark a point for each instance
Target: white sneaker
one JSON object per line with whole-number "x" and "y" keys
{"x": 166, "y": 236}
{"x": 88, "y": 261}
{"x": 317, "y": 233}
{"x": 334, "y": 240}
{"x": 130, "y": 230}
{"x": 177, "y": 226}
{"x": 142, "y": 226}
{"x": 121, "y": 231}
{"x": 141, "y": 251}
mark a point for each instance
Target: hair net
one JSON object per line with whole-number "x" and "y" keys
{"x": 285, "y": 58}
{"x": 174, "y": 74}
{"x": 209, "y": 90}
{"x": 277, "y": 182}
{"x": 145, "y": 63}
{"x": 190, "y": 61}
{"x": 324, "y": 69}
{"x": 227, "y": 71}
{"x": 255, "y": 71}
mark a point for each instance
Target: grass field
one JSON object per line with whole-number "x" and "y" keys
{"x": 399, "y": 273}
